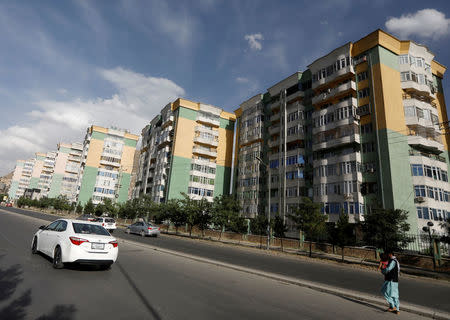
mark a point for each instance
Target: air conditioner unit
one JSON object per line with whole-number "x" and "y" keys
{"x": 356, "y": 117}
{"x": 348, "y": 196}
{"x": 419, "y": 199}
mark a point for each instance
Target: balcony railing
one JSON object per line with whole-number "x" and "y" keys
{"x": 212, "y": 121}
{"x": 346, "y": 87}
{"x": 211, "y": 142}
{"x": 207, "y": 152}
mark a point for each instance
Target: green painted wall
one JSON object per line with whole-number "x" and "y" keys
{"x": 13, "y": 189}
{"x": 382, "y": 55}
{"x": 187, "y": 113}
{"x": 130, "y": 142}
{"x": 179, "y": 177}
{"x": 87, "y": 184}
{"x": 33, "y": 183}
{"x": 222, "y": 181}
{"x": 124, "y": 187}
{"x": 226, "y": 124}
{"x": 396, "y": 171}
{"x": 64, "y": 150}
{"x": 98, "y": 135}
{"x": 55, "y": 186}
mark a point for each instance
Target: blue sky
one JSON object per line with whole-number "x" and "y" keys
{"x": 67, "y": 64}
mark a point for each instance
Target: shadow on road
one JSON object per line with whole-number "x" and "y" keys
{"x": 147, "y": 304}
{"x": 10, "y": 279}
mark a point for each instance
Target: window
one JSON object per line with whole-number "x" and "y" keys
{"x": 366, "y": 128}
{"x": 417, "y": 170}
{"x": 364, "y": 93}
{"x": 363, "y": 110}
{"x": 62, "y": 226}
{"x": 405, "y": 76}
{"x": 52, "y": 226}
{"x": 410, "y": 111}
{"x": 403, "y": 59}
{"x": 428, "y": 171}
{"x": 362, "y": 76}
{"x": 419, "y": 191}
{"x": 85, "y": 228}
{"x": 368, "y": 147}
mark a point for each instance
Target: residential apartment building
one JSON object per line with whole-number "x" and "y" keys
{"x": 67, "y": 165}
{"x": 46, "y": 174}
{"x": 187, "y": 148}
{"x": 106, "y": 164}
{"x": 364, "y": 126}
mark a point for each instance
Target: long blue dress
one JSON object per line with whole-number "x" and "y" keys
{"x": 390, "y": 288}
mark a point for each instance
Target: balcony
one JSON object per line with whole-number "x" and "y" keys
{"x": 433, "y": 146}
{"x": 210, "y": 142}
{"x": 207, "y": 130}
{"x": 206, "y": 152}
{"x": 342, "y": 89}
{"x": 355, "y": 138}
{"x": 274, "y": 129}
{"x": 422, "y": 89}
{"x": 426, "y": 123}
{"x": 74, "y": 158}
{"x": 212, "y": 121}
{"x": 109, "y": 163}
{"x": 275, "y": 117}
{"x": 336, "y": 124}
{"x": 167, "y": 121}
{"x": 274, "y": 143}
{"x": 337, "y": 74}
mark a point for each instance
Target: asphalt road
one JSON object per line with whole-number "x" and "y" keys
{"x": 429, "y": 293}
{"x": 147, "y": 284}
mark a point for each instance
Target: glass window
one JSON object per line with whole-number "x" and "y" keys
{"x": 417, "y": 170}
{"x": 85, "y": 228}
{"x": 52, "y": 226}
{"x": 62, "y": 226}
{"x": 403, "y": 59}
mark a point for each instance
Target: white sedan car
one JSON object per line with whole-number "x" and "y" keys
{"x": 108, "y": 223}
{"x": 83, "y": 242}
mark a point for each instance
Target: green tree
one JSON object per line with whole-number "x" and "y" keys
{"x": 110, "y": 207}
{"x": 386, "y": 229}
{"x": 225, "y": 213}
{"x": 279, "y": 228}
{"x": 79, "y": 209}
{"x": 99, "y": 209}
{"x": 446, "y": 226}
{"x": 89, "y": 207}
{"x": 258, "y": 225}
{"x": 344, "y": 233}
{"x": 308, "y": 218}
{"x": 175, "y": 213}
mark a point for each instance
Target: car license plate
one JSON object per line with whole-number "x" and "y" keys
{"x": 98, "y": 246}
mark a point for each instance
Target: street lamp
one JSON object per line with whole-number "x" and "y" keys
{"x": 427, "y": 228}
{"x": 268, "y": 219}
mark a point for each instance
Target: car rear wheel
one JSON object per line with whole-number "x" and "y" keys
{"x": 142, "y": 233}
{"x": 34, "y": 246}
{"x": 111, "y": 231}
{"x": 57, "y": 259}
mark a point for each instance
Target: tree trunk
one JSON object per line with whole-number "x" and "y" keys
{"x": 220, "y": 234}
{"x": 281, "y": 244}
{"x": 176, "y": 229}
{"x": 260, "y": 241}
{"x": 190, "y": 231}
{"x": 342, "y": 248}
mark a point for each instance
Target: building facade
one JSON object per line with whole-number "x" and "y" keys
{"x": 187, "y": 148}
{"x": 106, "y": 165}
{"x": 364, "y": 126}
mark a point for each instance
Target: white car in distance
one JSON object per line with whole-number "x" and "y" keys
{"x": 75, "y": 241}
{"x": 108, "y": 223}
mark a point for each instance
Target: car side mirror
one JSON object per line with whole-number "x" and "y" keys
{"x": 42, "y": 227}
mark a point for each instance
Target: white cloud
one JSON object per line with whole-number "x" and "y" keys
{"x": 426, "y": 23}
{"x": 254, "y": 40}
{"x": 324, "y": 22}
{"x": 136, "y": 102}
{"x": 242, "y": 80}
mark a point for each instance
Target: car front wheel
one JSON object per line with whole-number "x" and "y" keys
{"x": 34, "y": 246}
{"x": 57, "y": 259}
{"x": 142, "y": 233}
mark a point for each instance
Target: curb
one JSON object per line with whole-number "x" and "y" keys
{"x": 353, "y": 295}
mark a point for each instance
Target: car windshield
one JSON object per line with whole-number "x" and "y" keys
{"x": 109, "y": 220}
{"x": 85, "y": 228}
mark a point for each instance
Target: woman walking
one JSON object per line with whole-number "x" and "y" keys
{"x": 390, "y": 285}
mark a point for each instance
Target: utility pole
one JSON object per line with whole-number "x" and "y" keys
{"x": 268, "y": 214}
